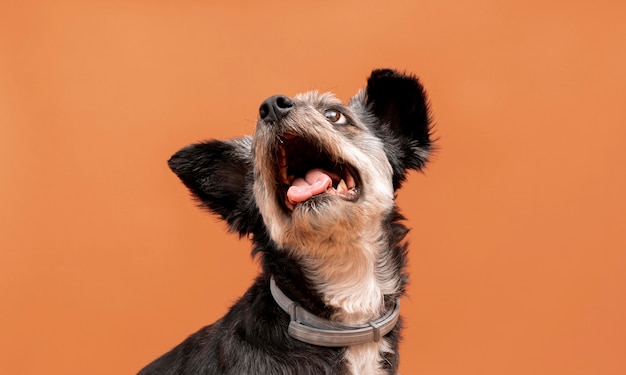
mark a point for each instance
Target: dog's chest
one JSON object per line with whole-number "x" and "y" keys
{"x": 367, "y": 359}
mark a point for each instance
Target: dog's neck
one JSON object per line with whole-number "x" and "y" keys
{"x": 312, "y": 329}
{"x": 352, "y": 275}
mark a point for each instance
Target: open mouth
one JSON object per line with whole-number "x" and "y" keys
{"x": 306, "y": 170}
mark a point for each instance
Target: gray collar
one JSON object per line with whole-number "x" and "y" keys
{"x": 307, "y": 327}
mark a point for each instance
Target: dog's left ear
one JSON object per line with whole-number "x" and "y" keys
{"x": 219, "y": 175}
{"x": 399, "y": 104}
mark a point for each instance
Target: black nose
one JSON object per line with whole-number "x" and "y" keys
{"x": 275, "y": 107}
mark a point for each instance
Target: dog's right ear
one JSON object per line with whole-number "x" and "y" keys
{"x": 398, "y": 102}
{"x": 219, "y": 175}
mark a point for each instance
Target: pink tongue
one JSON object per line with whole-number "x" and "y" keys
{"x": 315, "y": 182}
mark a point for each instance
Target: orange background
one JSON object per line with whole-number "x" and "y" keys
{"x": 518, "y": 253}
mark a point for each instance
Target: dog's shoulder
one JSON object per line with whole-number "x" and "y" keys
{"x": 250, "y": 336}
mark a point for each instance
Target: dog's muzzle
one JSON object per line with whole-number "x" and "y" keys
{"x": 304, "y": 167}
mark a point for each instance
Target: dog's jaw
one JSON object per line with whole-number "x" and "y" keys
{"x": 307, "y": 173}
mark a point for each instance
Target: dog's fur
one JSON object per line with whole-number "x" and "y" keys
{"x": 341, "y": 256}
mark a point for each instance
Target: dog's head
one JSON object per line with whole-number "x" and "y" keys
{"x": 315, "y": 168}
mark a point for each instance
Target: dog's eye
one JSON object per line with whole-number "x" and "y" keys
{"x": 335, "y": 117}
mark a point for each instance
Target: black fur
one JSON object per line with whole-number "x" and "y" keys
{"x": 219, "y": 175}
{"x": 252, "y": 337}
{"x": 397, "y": 100}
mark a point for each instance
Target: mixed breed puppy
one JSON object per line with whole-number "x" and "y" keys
{"x": 314, "y": 188}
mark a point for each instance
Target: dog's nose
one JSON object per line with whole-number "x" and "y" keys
{"x": 275, "y": 107}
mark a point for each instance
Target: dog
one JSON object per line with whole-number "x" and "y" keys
{"x": 314, "y": 189}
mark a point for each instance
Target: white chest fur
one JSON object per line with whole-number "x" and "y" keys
{"x": 354, "y": 279}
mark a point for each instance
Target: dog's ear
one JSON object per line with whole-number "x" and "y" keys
{"x": 219, "y": 175}
{"x": 399, "y": 105}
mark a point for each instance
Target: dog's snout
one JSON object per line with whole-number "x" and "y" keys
{"x": 275, "y": 107}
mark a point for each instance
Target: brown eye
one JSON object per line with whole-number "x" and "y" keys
{"x": 335, "y": 117}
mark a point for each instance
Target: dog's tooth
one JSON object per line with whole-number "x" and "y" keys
{"x": 341, "y": 187}
{"x": 289, "y": 205}
{"x": 282, "y": 162}
{"x": 283, "y": 174}
{"x": 350, "y": 180}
